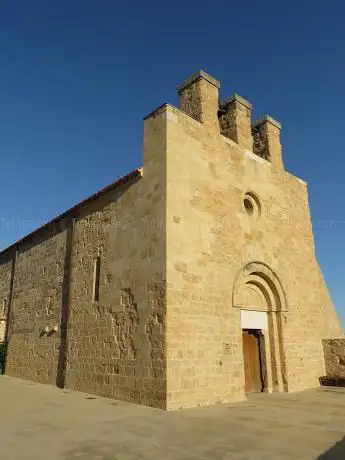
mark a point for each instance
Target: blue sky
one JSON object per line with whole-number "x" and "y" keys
{"x": 78, "y": 76}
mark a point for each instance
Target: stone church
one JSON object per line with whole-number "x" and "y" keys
{"x": 192, "y": 280}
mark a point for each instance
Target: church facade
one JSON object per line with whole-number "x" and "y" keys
{"x": 192, "y": 280}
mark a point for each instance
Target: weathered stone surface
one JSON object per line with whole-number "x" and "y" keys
{"x": 5, "y": 289}
{"x": 112, "y": 347}
{"x": 334, "y": 353}
{"x": 147, "y": 283}
{"x": 211, "y": 239}
{"x": 36, "y": 306}
{"x": 235, "y": 120}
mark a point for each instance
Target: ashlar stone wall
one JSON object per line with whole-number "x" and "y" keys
{"x": 211, "y": 236}
{"x": 116, "y": 343}
{"x": 88, "y": 302}
{"x": 137, "y": 292}
{"x": 36, "y": 305}
{"x": 6, "y": 266}
{"x": 334, "y": 352}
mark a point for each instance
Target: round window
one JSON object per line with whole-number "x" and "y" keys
{"x": 251, "y": 205}
{"x": 248, "y": 205}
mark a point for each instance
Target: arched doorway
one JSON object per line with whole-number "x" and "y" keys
{"x": 260, "y": 296}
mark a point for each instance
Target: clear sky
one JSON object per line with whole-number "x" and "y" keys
{"x": 78, "y": 76}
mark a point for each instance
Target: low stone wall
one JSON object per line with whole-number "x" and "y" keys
{"x": 334, "y": 355}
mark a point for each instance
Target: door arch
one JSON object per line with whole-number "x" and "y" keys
{"x": 257, "y": 287}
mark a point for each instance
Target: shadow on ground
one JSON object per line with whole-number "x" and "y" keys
{"x": 336, "y": 452}
{"x": 94, "y": 450}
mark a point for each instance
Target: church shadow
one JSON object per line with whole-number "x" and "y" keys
{"x": 3, "y": 355}
{"x": 62, "y": 359}
{"x": 336, "y": 452}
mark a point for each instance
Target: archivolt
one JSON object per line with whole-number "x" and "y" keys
{"x": 258, "y": 287}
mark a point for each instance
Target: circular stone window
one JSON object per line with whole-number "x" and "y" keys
{"x": 252, "y": 205}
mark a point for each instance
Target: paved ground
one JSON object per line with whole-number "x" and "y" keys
{"x": 42, "y": 422}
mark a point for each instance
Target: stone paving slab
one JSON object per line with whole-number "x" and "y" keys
{"x": 44, "y": 422}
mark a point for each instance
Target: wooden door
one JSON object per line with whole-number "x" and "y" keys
{"x": 251, "y": 355}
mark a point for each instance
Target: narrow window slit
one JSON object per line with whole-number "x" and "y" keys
{"x": 96, "y": 278}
